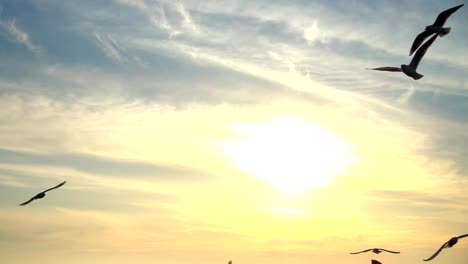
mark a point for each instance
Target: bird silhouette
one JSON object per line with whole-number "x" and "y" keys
{"x": 436, "y": 28}
{"x": 448, "y": 244}
{"x": 42, "y": 194}
{"x": 410, "y": 69}
{"x": 376, "y": 251}
{"x": 373, "y": 261}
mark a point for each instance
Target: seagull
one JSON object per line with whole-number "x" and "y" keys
{"x": 373, "y": 261}
{"x": 447, "y": 244}
{"x": 376, "y": 251}
{"x": 410, "y": 69}
{"x": 436, "y": 28}
{"x": 42, "y": 194}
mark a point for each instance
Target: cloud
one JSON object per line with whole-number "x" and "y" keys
{"x": 135, "y": 139}
{"x": 20, "y": 36}
{"x": 8, "y": 180}
{"x": 214, "y": 65}
{"x": 110, "y": 47}
{"x": 96, "y": 165}
{"x": 102, "y": 230}
{"x": 417, "y": 198}
{"x": 171, "y": 17}
{"x": 418, "y": 210}
{"x": 187, "y": 19}
{"x": 312, "y": 33}
{"x": 406, "y": 96}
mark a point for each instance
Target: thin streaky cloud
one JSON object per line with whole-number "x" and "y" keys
{"x": 187, "y": 19}
{"x": 20, "y": 36}
{"x": 103, "y": 166}
{"x": 11, "y": 181}
{"x": 156, "y": 14}
{"x": 292, "y": 79}
{"x": 109, "y": 47}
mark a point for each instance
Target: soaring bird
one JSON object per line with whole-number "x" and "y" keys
{"x": 447, "y": 244}
{"x": 376, "y": 251}
{"x": 436, "y": 28}
{"x": 410, "y": 69}
{"x": 373, "y": 261}
{"x": 42, "y": 194}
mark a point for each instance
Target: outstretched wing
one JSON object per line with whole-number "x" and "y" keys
{"x": 361, "y": 251}
{"x": 394, "y": 252}
{"x": 419, "y": 40}
{"x": 421, "y": 51}
{"x": 392, "y": 69}
{"x": 437, "y": 252}
{"x": 442, "y": 17}
{"x": 61, "y": 184}
{"x": 462, "y": 236}
{"x": 28, "y": 201}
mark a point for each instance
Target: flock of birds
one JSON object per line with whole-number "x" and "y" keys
{"x": 435, "y": 29}
{"x": 438, "y": 30}
{"x": 452, "y": 241}
{"x": 448, "y": 244}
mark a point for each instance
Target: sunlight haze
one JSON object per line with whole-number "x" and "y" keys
{"x": 207, "y": 131}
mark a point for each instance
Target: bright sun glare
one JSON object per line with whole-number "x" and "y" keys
{"x": 289, "y": 153}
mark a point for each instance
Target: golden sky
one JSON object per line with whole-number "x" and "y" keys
{"x": 188, "y": 133}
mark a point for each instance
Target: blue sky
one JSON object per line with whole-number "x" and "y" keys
{"x": 136, "y": 103}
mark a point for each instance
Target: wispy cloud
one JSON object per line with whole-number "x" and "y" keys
{"x": 180, "y": 20}
{"x": 105, "y": 166}
{"x": 136, "y": 139}
{"x": 9, "y": 180}
{"x": 20, "y": 36}
{"x": 110, "y": 47}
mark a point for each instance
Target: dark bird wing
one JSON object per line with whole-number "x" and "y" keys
{"x": 437, "y": 252}
{"x": 373, "y": 261}
{"x": 28, "y": 201}
{"x": 361, "y": 251}
{"x": 419, "y": 40}
{"x": 421, "y": 51}
{"x": 61, "y": 184}
{"x": 392, "y": 69}
{"x": 394, "y": 252}
{"x": 442, "y": 17}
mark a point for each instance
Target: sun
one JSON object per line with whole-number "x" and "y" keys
{"x": 289, "y": 153}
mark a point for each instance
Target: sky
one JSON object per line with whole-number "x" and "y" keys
{"x": 204, "y": 131}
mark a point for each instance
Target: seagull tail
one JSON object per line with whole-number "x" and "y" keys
{"x": 417, "y": 76}
{"x": 444, "y": 31}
